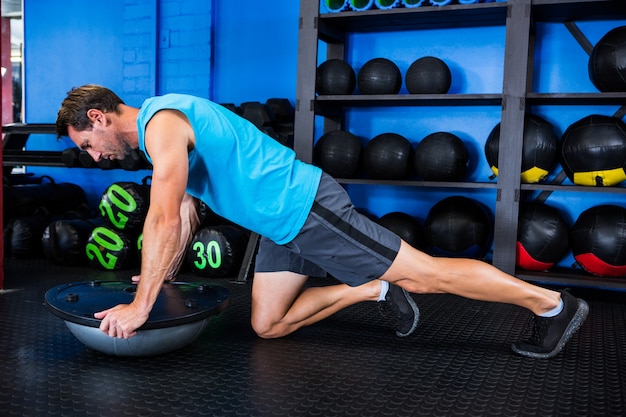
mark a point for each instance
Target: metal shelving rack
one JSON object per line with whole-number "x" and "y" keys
{"x": 519, "y": 18}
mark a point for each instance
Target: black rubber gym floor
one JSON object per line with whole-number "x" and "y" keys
{"x": 458, "y": 363}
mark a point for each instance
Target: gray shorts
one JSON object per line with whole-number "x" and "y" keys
{"x": 335, "y": 240}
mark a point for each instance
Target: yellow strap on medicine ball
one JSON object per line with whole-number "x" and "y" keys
{"x": 530, "y": 176}
{"x": 534, "y": 175}
{"x": 604, "y": 178}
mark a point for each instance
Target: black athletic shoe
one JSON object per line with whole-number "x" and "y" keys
{"x": 403, "y": 306}
{"x": 549, "y": 334}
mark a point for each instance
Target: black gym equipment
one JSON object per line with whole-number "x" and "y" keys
{"x": 598, "y": 240}
{"x": 607, "y": 61}
{"x": 217, "y": 251}
{"x": 379, "y": 76}
{"x": 110, "y": 249}
{"x": 428, "y": 75}
{"x": 459, "y": 226}
{"x": 55, "y": 198}
{"x": 124, "y": 205}
{"x": 405, "y": 226}
{"x": 338, "y": 152}
{"x": 542, "y": 237}
{"x": 69, "y": 156}
{"x": 335, "y": 77}
{"x": 280, "y": 110}
{"x": 593, "y": 151}
{"x": 441, "y": 156}
{"x": 64, "y": 241}
{"x": 256, "y": 113}
{"x": 539, "y": 149}
{"x": 180, "y": 314}
{"x": 388, "y": 156}
{"x": 22, "y": 236}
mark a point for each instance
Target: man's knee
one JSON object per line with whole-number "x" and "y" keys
{"x": 264, "y": 327}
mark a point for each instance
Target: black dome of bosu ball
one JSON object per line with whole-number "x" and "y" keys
{"x": 335, "y": 76}
{"x": 405, "y": 226}
{"x": 338, "y": 152}
{"x": 428, "y": 75}
{"x": 441, "y": 156}
{"x": 217, "y": 251}
{"x": 539, "y": 149}
{"x": 542, "y": 237}
{"x": 459, "y": 227}
{"x": 379, "y": 76}
{"x": 180, "y": 314}
{"x": 388, "y": 156}
{"x": 593, "y": 151}
{"x": 598, "y": 240}
{"x": 607, "y": 61}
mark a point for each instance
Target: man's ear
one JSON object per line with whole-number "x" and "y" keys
{"x": 96, "y": 116}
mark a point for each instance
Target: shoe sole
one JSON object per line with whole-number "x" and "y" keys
{"x": 574, "y": 325}
{"x": 416, "y": 314}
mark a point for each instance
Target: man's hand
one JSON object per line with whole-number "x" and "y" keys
{"x": 121, "y": 321}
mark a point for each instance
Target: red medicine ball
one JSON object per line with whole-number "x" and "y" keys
{"x": 598, "y": 240}
{"x": 542, "y": 237}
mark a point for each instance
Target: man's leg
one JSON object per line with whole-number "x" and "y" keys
{"x": 280, "y": 306}
{"x": 557, "y": 315}
{"x": 418, "y": 272}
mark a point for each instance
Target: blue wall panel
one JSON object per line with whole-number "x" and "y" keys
{"x": 256, "y": 46}
{"x": 65, "y": 47}
{"x": 184, "y": 47}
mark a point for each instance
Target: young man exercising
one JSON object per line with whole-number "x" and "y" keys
{"x": 308, "y": 225}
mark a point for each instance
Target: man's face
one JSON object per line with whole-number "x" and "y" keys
{"x": 102, "y": 141}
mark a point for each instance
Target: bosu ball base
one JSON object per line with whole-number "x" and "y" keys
{"x": 180, "y": 313}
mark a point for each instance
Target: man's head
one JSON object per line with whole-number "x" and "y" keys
{"x": 93, "y": 118}
{"x": 79, "y": 101}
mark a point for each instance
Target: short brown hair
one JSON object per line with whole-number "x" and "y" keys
{"x": 79, "y": 100}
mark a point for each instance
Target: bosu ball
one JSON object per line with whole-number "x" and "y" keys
{"x": 180, "y": 314}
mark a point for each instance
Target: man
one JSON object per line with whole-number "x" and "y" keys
{"x": 307, "y": 221}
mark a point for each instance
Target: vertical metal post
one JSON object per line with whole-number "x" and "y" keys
{"x": 304, "y": 122}
{"x": 516, "y": 73}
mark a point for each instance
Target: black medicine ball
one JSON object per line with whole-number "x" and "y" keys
{"x": 607, "y": 61}
{"x": 441, "y": 156}
{"x": 405, "y": 226}
{"x": 64, "y": 241}
{"x": 379, "y": 76}
{"x": 338, "y": 153}
{"x": 542, "y": 237}
{"x": 217, "y": 251}
{"x": 598, "y": 240}
{"x": 593, "y": 151}
{"x": 124, "y": 205}
{"x": 388, "y": 157}
{"x": 428, "y": 75}
{"x": 335, "y": 77}
{"x": 110, "y": 249}
{"x": 459, "y": 226}
{"x": 539, "y": 149}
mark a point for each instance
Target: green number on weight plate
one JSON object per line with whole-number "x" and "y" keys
{"x": 122, "y": 200}
{"x": 109, "y": 241}
{"x": 210, "y": 254}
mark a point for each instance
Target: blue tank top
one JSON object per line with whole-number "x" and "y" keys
{"x": 242, "y": 174}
